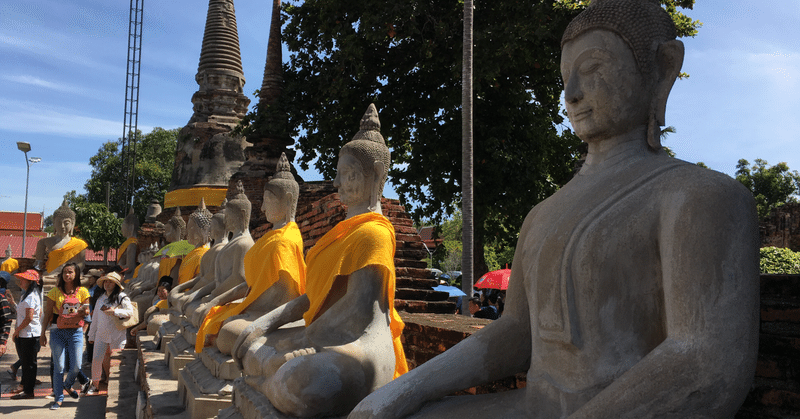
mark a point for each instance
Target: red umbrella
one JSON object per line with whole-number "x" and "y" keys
{"x": 495, "y": 279}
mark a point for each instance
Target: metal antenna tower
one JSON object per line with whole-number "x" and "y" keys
{"x": 131, "y": 118}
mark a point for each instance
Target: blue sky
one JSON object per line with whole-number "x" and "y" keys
{"x": 62, "y": 83}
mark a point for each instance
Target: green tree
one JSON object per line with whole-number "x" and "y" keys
{"x": 94, "y": 223}
{"x": 772, "y": 186}
{"x": 406, "y": 57}
{"x": 778, "y": 260}
{"x": 155, "y": 157}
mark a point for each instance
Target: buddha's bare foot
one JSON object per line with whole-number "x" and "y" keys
{"x": 298, "y": 353}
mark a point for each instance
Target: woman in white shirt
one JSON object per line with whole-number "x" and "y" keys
{"x": 28, "y": 330}
{"x": 103, "y": 332}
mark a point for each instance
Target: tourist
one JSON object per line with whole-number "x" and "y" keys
{"x": 69, "y": 302}
{"x": 479, "y": 312}
{"x": 94, "y": 294}
{"x": 5, "y": 314}
{"x": 160, "y": 302}
{"x": 26, "y": 334}
{"x": 104, "y": 333}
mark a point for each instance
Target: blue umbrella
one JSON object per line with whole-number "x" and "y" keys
{"x": 453, "y": 291}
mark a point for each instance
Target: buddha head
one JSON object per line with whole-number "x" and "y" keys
{"x": 218, "y": 223}
{"x": 153, "y": 210}
{"x": 199, "y": 225}
{"x": 130, "y": 225}
{"x": 280, "y": 194}
{"x": 175, "y": 229}
{"x": 63, "y": 220}
{"x": 363, "y": 165}
{"x": 619, "y": 61}
{"x": 237, "y": 211}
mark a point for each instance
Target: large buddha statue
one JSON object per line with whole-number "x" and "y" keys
{"x": 127, "y": 254}
{"x": 274, "y": 267}
{"x": 350, "y": 344}
{"x": 634, "y": 290}
{"x": 53, "y": 252}
{"x": 203, "y": 283}
{"x": 174, "y": 231}
{"x": 229, "y": 265}
{"x": 8, "y": 263}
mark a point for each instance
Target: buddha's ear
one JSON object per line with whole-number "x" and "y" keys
{"x": 669, "y": 60}
{"x": 378, "y": 169}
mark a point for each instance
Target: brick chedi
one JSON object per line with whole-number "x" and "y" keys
{"x": 266, "y": 146}
{"x": 207, "y": 153}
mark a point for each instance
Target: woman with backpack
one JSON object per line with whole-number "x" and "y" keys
{"x": 104, "y": 332}
{"x": 70, "y": 302}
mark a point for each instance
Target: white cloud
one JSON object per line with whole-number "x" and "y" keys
{"x": 36, "y": 118}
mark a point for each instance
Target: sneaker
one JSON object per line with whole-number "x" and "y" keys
{"x": 86, "y": 385}
{"x": 22, "y": 395}
{"x": 52, "y": 395}
{"x": 55, "y": 406}
{"x": 92, "y": 391}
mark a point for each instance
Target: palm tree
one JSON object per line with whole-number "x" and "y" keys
{"x": 467, "y": 236}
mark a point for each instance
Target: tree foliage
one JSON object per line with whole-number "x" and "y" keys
{"x": 155, "y": 156}
{"x": 94, "y": 223}
{"x": 778, "y": 260}
{"x": 772, "y": 186}
{"x": 406, "y": 57}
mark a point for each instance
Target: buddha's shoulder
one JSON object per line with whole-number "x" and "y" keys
{"x": 680, "y": 177}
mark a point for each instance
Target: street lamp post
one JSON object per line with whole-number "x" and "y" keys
{"x": 25, "y": 148}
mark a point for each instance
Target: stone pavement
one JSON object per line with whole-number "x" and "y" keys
{"x": 89, "y": 407}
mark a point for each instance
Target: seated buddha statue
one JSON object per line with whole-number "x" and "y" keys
{"x": 274, "y": 267}
{"x": 634, "y": 291}
{"x": 8, "y": 263}
{"x": 203, "y": 283}
{"x": 229, "y": 264}
{"x": 128, "y": 253}
{"x": 53, "y": 252}
{"x": 174, "y": 231}
{"x": 350, "y": 343}
{"x": 146, "y": 272}
{"x": 198, "y": 235}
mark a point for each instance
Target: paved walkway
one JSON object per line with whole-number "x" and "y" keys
{"x": 89, "y": 407}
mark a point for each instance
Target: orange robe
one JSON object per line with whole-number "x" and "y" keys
{"x": 364, "y": 240}
{"x": 277, "y": 251}
{"x": 61, "y": 256}
{"x": 9, "y": 265}
{"x": 165, "y": 266}
{"x": 191, "y": 264}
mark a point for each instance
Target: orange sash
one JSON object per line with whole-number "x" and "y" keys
{"x": 165, "y": 266}
{"x": 9, "y": 265}
{"x": 364, "y": 240}
{"x": 122, "y": 249}
{"x": 277, "y": 251}
{"x": 61, "y": 256}
{"x": 191, "y": 264}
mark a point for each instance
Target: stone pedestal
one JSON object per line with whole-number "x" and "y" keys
{"x": 205, "y": 384}
{"x": 165, "y": 334}
{"x": 179, "y": 353}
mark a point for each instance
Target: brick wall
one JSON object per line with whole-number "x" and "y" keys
{"x": 775, "y": 392}
{"x": 782, "y": 227}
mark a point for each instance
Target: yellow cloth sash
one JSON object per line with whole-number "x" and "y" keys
{"x": 165, "y": 266}
{"x": 124, "y": 247}
{"x": 364, "y": 240}
{"x": 278, "y": 250}
{"x": 191, "y": 264}
{"x": 136, "y": 271}
{"x": 9, "y": 265}
{"x": 61, "y": 256}
{"x": 163, "y": 304}
{"x": 191, "y": 196}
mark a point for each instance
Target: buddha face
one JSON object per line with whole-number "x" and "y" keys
{"x": 606, "y": 95}
{"x": 272, "y": 207}
{"x": 63, "y": 226}
{"x": 194, "y": 234}
{"x": 217, "y": 227}
{"x": 352, "y": 181}
{"x": 171, "y": 233}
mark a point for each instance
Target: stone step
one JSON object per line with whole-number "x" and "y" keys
{"x": 160, "y": 391}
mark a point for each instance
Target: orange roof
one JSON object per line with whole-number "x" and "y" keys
{"x": 14, "y": 221}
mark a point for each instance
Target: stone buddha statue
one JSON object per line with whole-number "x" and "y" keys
{"x": 174, "y": 231}
{"x": 128, "y": 252}
{"x": 350, "y": 344}
{"x": 147, "y": 269}
{"x": 202, "y": 284}
{"x": 53, "y": 252}
{"x": 634, "y": 291}
{"x": 153, "y": 210}
{"x": 274, "y": 267}
{"x": 229, "y": 264}
{"x": 8, "y": 263}
{"x": 198, "y": 234}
